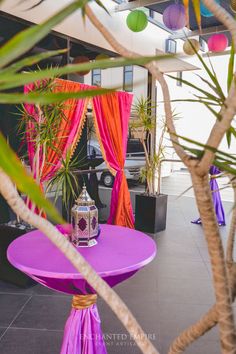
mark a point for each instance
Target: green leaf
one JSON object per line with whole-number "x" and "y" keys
{"x": 26, "y": 39}
{"x": 231, "y": 131}
{"x": 31, "y": 60}
{"x": 20, "y": 79}
{"x": 211, "y": 86}
{"x": 224, "y": 167}
{"x": 231, "y": 158}
{"x": 35, "y": 5}
{"x": 207, "y": 94}
{"x": 13, "y": 167}
{"x": 216, "y": 114}
{"x": 228, "y": 137}
{"x": 195, "y": 101}
{"x": 34, "y": 97}
{"x": 231, "y": 67}
{"x": 210, "y": 73}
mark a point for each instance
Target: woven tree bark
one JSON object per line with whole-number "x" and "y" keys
{"x": 199, "y": 172}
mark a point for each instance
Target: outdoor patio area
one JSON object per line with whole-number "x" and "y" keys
{"x": 117, "y": 177}
{"x": 169, "y": 294}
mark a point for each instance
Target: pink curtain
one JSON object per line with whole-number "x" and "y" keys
{"x": 112, "y": 112}
{"x": 68, "y": 133}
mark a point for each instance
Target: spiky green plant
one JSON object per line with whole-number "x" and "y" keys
{"x": 65, "y": 180}
{"x": 213, "y": 96}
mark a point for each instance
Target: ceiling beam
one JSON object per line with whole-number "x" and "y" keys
{"x": 137, "y": 3}
{"x": 205, "y": 31}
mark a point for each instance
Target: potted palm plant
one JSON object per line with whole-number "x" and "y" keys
{"x": 151, "y": 206}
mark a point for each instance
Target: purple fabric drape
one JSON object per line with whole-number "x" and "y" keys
{"x": 83, "y": 334}
{"x": 219, "y": 209}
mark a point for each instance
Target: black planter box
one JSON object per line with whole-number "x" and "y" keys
{"x": 9, "y": 273}
{"x": 150, "y": 213}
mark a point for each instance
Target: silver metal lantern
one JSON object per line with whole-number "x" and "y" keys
{"x": 84, "y": 220}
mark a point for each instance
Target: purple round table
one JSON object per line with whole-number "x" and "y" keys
{"x": 119, "y": 254}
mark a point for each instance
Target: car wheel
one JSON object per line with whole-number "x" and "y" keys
{"x": 107, "y": 179}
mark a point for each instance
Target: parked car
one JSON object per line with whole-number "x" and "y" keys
{"x": 134, "y": 161}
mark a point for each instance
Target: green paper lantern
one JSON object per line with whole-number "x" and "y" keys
{"x": 137, "y": 21}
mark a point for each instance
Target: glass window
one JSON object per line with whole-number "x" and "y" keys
{"x": 96, "y": 77}
{"x": 128, "y": 78}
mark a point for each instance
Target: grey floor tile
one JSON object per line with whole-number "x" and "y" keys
{"x": 43, "y": 290}
{"x": 204, "y": 253}
{"x": 2, "y": 330}
{"x": 174, "y": 250}
{"x": 10, "y": 306}
{"x": 201, "y": 346}
{"x": 25, "y": 341}
{"x": 13, "y": 289}
{"x": 174, "y": 318}
{"x": 144, "y": 281}
{"x": 176, "y": 234}
{"x": 187, "y": 291}
{"x": 126, "y": 346}
{"x": 117, "y": 338}
{"x": 44, "y": 312}
{"x": 181, "y": 269}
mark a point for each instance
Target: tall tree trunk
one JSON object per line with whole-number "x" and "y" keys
{"x": 210, "y": 319}
{"x": 215, "y": 248}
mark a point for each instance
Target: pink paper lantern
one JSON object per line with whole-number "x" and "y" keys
{"x": 217, "y": 42}
{"x": 174, "y": 17}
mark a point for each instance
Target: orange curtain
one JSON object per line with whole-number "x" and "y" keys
{"x": 112, "y": 113}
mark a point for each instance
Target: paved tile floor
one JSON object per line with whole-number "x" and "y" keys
{"x": 166, "y": 296}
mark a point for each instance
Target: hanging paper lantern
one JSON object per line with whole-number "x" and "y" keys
{"x": 217, "y": 42}
{"x": 190, "y": 45}
{"x": 79, "y": 60}
{"x": 204, "y": 10}
{"x": 233, "y": 5}
{"x": 137, "y": 21}
{"x": 174, "y": 17}
{"x": 102, "y": 56}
